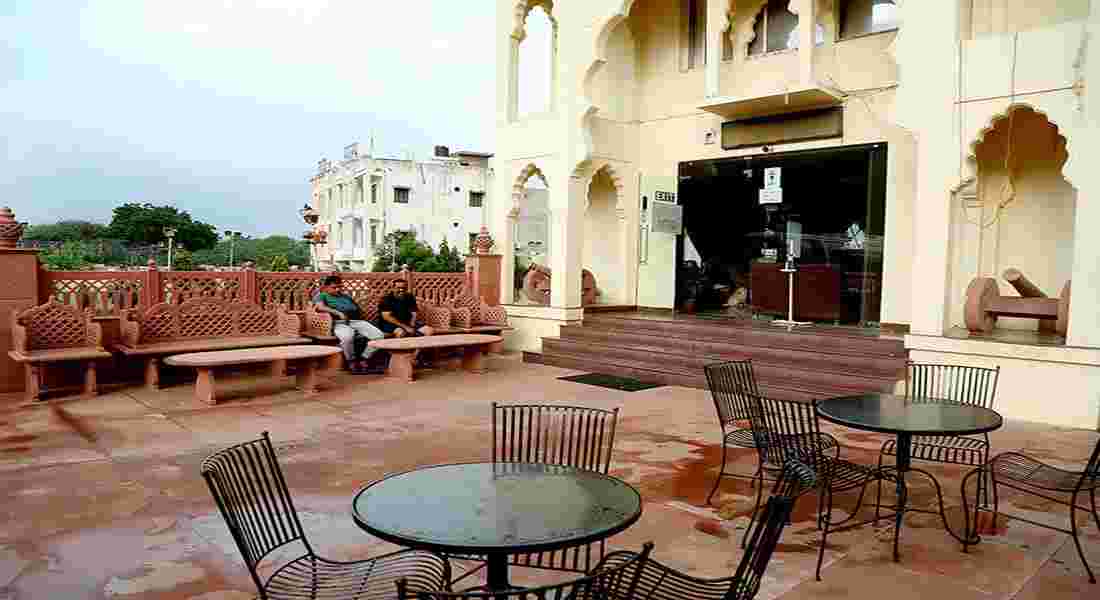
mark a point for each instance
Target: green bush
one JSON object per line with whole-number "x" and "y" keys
{"x": 280, "y": 263}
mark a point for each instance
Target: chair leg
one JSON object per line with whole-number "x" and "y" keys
{"x": 967, "y": 537}
{"x": 718, "y": 478}
{"x": 33, "y": 385}
{"x": 878, "y": 492}
{"x": 755, "y": 508}
{"x": 1095, "y": 514}
{"x": 90, "y": 388}
{"x": 1076, "y": 539}
{"x": 824, "y": 530}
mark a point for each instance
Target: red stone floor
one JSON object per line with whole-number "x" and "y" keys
{"x": 103, "y": 497}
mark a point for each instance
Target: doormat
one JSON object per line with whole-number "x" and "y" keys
{"x": 625, "y": 384}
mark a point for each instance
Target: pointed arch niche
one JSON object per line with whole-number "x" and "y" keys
{"x": 604, "y": 231}
{"x": 529, "y": 228}
{"x": 533, "y": 65}
{"x": 1016, "y": 210}
{"x": 612, "y": 82}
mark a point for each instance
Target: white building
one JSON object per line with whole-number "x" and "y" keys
{"x": 362, "y": 198}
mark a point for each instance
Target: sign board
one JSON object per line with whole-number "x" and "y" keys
{"x": 772, "y": 178}
{"x": 668, "y": 218}
{"x": 660, "y": 196}
{"x": 771, "y": 196}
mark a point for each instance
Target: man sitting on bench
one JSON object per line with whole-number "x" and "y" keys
{"x": 347, "y": 321}
{"x": 397, "y": 315}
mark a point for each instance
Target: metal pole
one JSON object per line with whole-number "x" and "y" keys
{"x": 170, "y": 243}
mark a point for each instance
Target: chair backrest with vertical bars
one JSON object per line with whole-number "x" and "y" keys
{"x": 926, "y": 382}
{"x": 556, "y": 435}
{"x": 572, "y": 436}
{"x": 615, "y": 581}
{"x": 253, "y": 498}
{"x": 787, "y": 430}
{"x": 660, "y": 582}
{"x": 730, "y": 385}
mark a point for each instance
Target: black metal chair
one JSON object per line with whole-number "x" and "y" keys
{"x": 729, "y": 382}
{"x": 618, "y": 580}
{"x": 790, "y": 430}
{"x": 553, "y": 434}
{"x": 1025, "y": 474}
{"x": 926, "y": 382}
{"x": 661, "y": 582}
{"x": 253, "y": 498}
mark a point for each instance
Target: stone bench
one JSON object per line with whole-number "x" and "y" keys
{"x": 403, "y": 351}
{"x": 471, "y": 317}
{"x": 203, "y": 324}
{"x": 278, "y": 356}
{"x": 56, "y": 333}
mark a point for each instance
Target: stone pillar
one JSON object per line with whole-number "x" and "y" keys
{"x": 807, "y": 30}
{"x": 567, "y": 242}
{"x": 19, "y": 292}
{"x": 483, "y": 270}
{"x": 1084, "y": 316}
{"x": 927, "y": 101}
{"x": 716, "y": 21}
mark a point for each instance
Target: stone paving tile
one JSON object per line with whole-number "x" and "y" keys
{"x": 136, "y": 520}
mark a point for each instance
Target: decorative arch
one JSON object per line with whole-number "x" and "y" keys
{"x": 994, "y": 122}
{"x": 517, "y": 187}
{"x": 520, "y": 12}
{"x": 616, "y": 182}
{"x": 747, "y": 32}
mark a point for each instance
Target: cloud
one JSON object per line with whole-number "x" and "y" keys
{"x": 223, "y": 108}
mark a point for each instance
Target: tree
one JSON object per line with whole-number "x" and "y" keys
{"x": 259, "y": 250}
{"x": 414, "y": 253}
{"x": 280, "y": 264}
{"x": 69, "y": 257}
{"x": 183, "y": 260}
{"x": 66, "y": 231}
{"x": 145, "y": 224}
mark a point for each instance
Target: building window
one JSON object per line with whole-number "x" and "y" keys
{"x": 693, "y": 15}
{"x": 476, "y": 199}
{"x": 374, "y": 193}
{"x": 861, "y": 17}
{"x": 373, "y": 236}
{"x": 400, "y": 195}
{"x": 473, "y": 240}
{"x": 776, "y": 29}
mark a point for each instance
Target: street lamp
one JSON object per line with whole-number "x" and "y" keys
{"x": 232, "y": 237}
{"x": 170, "y": 233}
{"x": 314, "y": 237}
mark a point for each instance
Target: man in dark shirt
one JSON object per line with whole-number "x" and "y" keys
{"x": 397, "y": 311}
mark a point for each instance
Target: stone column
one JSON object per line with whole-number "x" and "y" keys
{"x": 484, "y": 269}
{"x": 19, "y": 292}
{"x": 567, "y": 241}
{"x": 1084, "y": 316}
{"x": 807, "y": 30}
{"x": 927, "y": 101}
{"x": 716, "y": 21}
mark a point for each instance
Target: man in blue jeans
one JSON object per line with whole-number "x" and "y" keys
{"x": 347, "y": 321}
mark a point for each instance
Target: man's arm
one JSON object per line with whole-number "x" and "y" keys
{"x": 321, "y": 306}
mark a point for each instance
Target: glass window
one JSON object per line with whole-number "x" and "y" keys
{"x": 374, "y": 193}
{"x": 860, "y": 17}
{"x": 373, "y": 236}
{"x": 476, "y": 199}
{"x": 776, "y": 29}
{"x": 400, "y": 195}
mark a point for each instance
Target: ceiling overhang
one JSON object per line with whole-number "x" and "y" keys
{"x": 796, "y": 100}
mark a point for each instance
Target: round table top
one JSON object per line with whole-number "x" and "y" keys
{"x": 888, "y": 413}
{"x": 434, "y": 341}
{"x": 250, "y": 355}
{"x": 504, "y": 507}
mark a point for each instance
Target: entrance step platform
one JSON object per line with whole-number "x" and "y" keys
{"x": 806, "y": 363}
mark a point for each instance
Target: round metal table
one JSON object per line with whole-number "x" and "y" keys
{"x": 905, "y": 418}
{"x": 496, "y": 510}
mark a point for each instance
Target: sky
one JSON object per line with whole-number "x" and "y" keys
{"x": 223, "y": 108}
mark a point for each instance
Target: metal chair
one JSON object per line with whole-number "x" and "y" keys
{"x": 1025, "y": 474}
{"x": 253, "y": 498}
{"x": 618, "y": 580}
{"x": 925, "y": 382}
{"x": 790, "y": 431}
{"x": 661, "y": 582}
{"x": 553, "y": 434}
{"x": 729, "y": 382}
